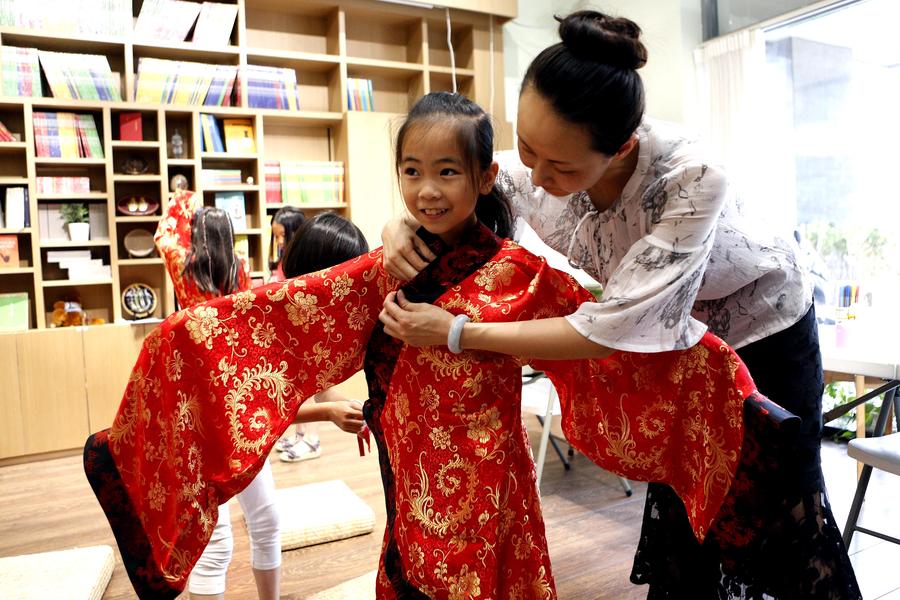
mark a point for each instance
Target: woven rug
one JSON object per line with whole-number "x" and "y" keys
{"x": 76, "y": 574}
{"x": 360, "y": 588}
{"x": 321, "y": 512}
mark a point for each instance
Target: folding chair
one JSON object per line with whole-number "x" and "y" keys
{"x": 551, "y": 409}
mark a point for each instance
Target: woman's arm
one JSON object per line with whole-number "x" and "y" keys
{"x": 405, "y": 254}
{"x": 427, "y": 325}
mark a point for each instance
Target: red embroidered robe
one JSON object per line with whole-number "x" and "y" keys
{"x": 173, "y": 240}
{"x": 217, "y": 384}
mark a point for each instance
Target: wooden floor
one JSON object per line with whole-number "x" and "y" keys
{"x": 592, "y": 527}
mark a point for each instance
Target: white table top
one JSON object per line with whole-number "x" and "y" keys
{"x": 861, "y": 348}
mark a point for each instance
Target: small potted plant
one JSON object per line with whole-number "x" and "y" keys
{"x": 75, "y": 214}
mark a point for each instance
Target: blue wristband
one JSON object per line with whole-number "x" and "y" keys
{"x": 455, "y": 333}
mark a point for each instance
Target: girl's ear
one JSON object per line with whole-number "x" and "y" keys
{"x": 488, "y": 178}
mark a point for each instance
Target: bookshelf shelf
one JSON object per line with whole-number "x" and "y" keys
{"x": 58, "y": 197}
{"x": 16, "y": 271}
{"x": 13, "y": 147}
{"x": 185, "y": 51}
{"x": 276, "y": 206}
{"x": 251, "y": 231}
{"x": 70, "y": 161}
{"x": 69, "y": 282}
{"x": 71, "y": 244}
{"x": 401, "y": 50}
{"x": 131, "y": 144}
{"x": 137, "y": 178}
{"x": 147, "y": 219}
{"x": 25, "y": 231}
{"x": 231, "y": 188}
{"x": 227, "y": 156}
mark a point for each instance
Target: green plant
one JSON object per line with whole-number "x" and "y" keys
{"x": 74, "y": 212}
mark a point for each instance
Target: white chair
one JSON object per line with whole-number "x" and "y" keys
{"x": 539, "y": 397}
{"x": 877, "y": 452}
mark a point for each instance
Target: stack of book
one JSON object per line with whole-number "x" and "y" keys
{"x": 360, "y": 95}
{"x": 220, "y": 177}
{"x": 15, "y": 213}
{"x": 7, "y": 136}
{"x": 20, "y": 73}
{"x": 184, "y": 83}
{"x": 319, "y": 183}
{"x": 91, "y": 17}
{"x": 80, "y": 76}
{"x": 63, "y": 185}
{"x": 272, "y": 87}
{"x": 66, "y": 135}
{"x": 210, "y": 137}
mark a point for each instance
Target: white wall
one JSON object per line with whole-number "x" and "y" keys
{"x": 672, "y": 29}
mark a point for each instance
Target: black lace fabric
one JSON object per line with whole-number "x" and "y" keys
{"x": 775, "y": 536}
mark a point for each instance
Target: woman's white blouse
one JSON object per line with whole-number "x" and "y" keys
{"x": 674, "y": 253}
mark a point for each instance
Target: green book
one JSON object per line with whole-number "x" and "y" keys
{"x": 14, "y": 312}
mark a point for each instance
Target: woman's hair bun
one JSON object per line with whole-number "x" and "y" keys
{"x": 614, "y": 41}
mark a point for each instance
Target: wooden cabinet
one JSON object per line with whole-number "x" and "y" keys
{"x": 401, "y": 49}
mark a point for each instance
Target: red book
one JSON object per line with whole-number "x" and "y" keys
{"x": 130, "y": 128}
{"x": 9, "y": 252}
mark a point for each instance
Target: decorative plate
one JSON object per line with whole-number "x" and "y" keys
{"x": 139, "y": 243}
{"x": 136, "y": 206}
{"x": 138, "y": 300}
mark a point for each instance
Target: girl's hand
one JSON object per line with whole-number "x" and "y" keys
{"x": 405, "y": 254}
{"x": 417, "y": 324}
{"x": 347, "y": 414}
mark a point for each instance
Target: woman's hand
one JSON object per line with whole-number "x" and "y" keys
{"x": 416, "y": 324}
{"x": 346, "y": 414}
{"x": 405, "y": 254}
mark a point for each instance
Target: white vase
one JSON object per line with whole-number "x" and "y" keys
{"x": 79, "y": 232}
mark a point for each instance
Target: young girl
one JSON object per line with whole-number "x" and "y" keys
{"x": 197, "y": 246}
{"x": 464, "y": 516}
{"x": 285, "y": 224}
{"x": 323, "y": 241}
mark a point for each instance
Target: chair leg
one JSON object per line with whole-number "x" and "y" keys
{"x": 555, "y": 445}
{"x": 626, "y": 485}
{"x": 858, "y": 498}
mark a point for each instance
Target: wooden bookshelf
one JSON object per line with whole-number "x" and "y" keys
{"x": 402, "y": 49}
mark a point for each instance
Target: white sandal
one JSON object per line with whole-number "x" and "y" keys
{"x": 302, "y": 450}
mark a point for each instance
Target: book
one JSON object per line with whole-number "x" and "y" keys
{"x": 80, "y": 76}
{"x": 92, "y": 17}
{"x": 272, "y": 170}
{"x": 20, "y": 72}
{"x": 233, "y": 204}
{"x": 211, "y": 139}
{"x": 217, "y": 177}
{"x": 51, "y": 225}
{"x": 63, "y": 185}
{"x": 14, "y": 312}
{"x": 239, "y": 137}
{"x": 242, "y": 247}
{"x": 168, "y": 20}
{"x": 9, "y": 251}
{"x": 15, "y": 207}
{"x": 6, "y": 135}
{"x": 215, "y": 24}
{"x": 98, "y": 220}
{"x": 131, "y": 127}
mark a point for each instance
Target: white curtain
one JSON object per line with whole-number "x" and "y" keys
{"x": 744, "y": 119}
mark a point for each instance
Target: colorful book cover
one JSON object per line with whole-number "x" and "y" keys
{"x": 168, "y": 20}
{"x": 9, "y": 251}
{"x": 233, "y": 204}
{"x": 239, "y": 136}
{"x": 14, "y": 313}
{"x": 272, "y": 170}
{"x": 20, "y": 73}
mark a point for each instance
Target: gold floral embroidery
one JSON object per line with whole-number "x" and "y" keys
{"x": 174, "y": 365}
{"x": 483, "y": 424}
{"x": 243, "y": 301}
{"x": 440, "y": 438}
{"x": 429, "y": 398}
{"x": 203, "y": 325}
{"x": 302, "y": 310}
{"x": 263, "y": 334}
{"x": 359, "y": 318}
{"x": 341, "y": 286}
{"x": 495, "y": 274}
{"x": 465, "y": 585}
